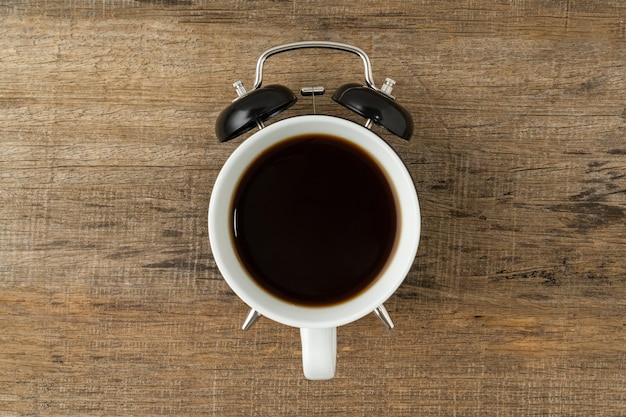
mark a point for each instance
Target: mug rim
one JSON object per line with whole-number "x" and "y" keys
{"x": 278, "y": 309}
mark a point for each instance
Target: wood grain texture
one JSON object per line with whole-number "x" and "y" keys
{"x": 111, "y": 303}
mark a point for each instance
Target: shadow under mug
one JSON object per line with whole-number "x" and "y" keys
{"x": 318, "y": 324}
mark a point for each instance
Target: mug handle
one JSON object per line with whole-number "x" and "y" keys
{"x": 319, "y": 352}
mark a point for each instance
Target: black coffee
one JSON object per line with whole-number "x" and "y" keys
{"x": 314, "y": 220}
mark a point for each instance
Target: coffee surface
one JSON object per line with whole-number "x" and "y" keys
{"x": 314, "y": 220}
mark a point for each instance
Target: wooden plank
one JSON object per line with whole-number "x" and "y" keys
{"x": 110, "y": 300}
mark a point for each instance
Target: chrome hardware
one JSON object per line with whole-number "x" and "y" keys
{"x": 387, "y": 87}
{"x": 383, "y": 315}
{"x": 312, "y": 91}
{"x": 369, "y": 79}
{"x": 252, "y": 108}
{"x": 252, "y": 317}
{"x": 240, "y": 88}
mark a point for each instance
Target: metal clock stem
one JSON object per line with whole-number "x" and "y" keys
{"x": 252, "y": 317}
{"x": 383, "y": 315}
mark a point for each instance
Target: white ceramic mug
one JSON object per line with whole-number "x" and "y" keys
{"x": 318, "y": 324}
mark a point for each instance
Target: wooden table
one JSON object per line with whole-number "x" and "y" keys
{"x": 110, "y": 300}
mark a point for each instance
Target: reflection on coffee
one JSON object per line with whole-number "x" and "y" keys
{"x": 314, "y": 220}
